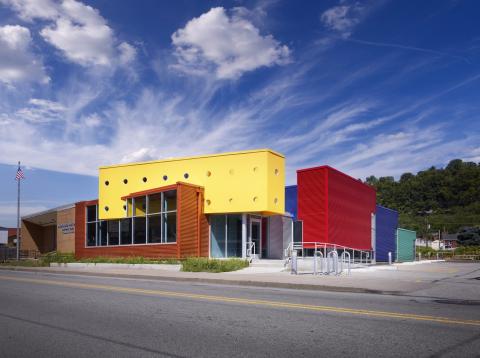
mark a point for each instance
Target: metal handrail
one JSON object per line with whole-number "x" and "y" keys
{"x": 251, "y": 249}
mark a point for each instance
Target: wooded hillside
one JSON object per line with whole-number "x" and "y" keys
{"x": 449, "y": 198}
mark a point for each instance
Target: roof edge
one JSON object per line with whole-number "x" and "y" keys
{"x": 194, "y": 157}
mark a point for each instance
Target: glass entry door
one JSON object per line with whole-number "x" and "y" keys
{"x": 256, "y": 237}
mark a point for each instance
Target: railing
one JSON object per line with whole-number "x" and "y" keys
{"x": 328, "y": 258}
{"x": 9, "y": 253}
{"x": 251, "y": 250}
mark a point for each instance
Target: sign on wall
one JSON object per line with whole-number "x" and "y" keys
{"x": 68, "y": 228}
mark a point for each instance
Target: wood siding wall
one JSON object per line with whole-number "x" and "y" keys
{"x": 192, "y": 231}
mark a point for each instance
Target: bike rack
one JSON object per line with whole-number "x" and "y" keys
{"x": 315, "y": 262}
{"x": 344, "y": 261}
{"x": 332, "y": 260}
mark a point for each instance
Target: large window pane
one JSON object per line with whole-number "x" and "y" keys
{"x": 103, "y": 232}
{"x": 91, "y": 234}
{"x": 170, "y": 200}
{"x": 170, "y": 227}
{"x": 126, "y": 231}
{"x": 140, "y": 206}
{"x": 139, "y": 228}
{"x": 91, "y": 213}
{"x": 217, "y": 239}
{"x": 113, "y": 234}
{"x": 155, "y": 203}
{"x": 234, "y": 235}
{"x": 154, "y": 228}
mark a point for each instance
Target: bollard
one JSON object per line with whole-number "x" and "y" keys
{"x": 389, "y": 258}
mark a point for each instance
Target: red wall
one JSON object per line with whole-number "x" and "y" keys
{"x": 335, "y": 208}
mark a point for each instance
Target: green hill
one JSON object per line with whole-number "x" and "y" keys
{"x": 449, "y": 198}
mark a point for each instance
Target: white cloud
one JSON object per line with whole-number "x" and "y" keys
{"x": 18, "y": 63}
{"x": 29, "y": 10}
{"x": 77, "y": 30}
{"x": 343, "y": 18}
{"x": 41, "y": 111}
{"x": 226, "y": 45}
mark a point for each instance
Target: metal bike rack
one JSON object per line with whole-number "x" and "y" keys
{"x": 332, "y": 260}
{"x": 315, "y": 262}
{"x": 345, "y": 261}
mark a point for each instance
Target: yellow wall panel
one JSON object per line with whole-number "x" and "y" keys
{"x": 248, "y": 181}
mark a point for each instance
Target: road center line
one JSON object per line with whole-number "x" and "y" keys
{"x": 247, "y": 301}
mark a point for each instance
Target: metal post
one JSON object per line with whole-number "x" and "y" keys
{"x": 18, "y": 215}
{"x": 389, "y": 258}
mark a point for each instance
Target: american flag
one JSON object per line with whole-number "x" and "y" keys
{"x": 20, "y": 174}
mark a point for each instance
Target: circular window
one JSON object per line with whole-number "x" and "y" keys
{"x": 275, "y": 201}
{"x": 186, "y": 175}
{"x": 209, "y": 173}
{"x": 106, "y": 208}
{"x": 255, "y": 199}
{"x": 230, "y": 200}
{"x": 165, "y": 177}
{"x": 107, "y": 182}
{"x": 124, "y": 207}
{"x": 255, "y": 169}
{"x": 208, "y": 202}
{"x": 277, "y": 171}
{"x": 144, "y": 179}
{"x": 125, "y": 181}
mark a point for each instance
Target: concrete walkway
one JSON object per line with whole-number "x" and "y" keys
{"x": 443, "y": 280}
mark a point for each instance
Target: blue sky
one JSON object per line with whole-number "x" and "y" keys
{"x": 370, "y": 87}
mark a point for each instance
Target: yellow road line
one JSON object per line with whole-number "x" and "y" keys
{"x": 247, "y": 301}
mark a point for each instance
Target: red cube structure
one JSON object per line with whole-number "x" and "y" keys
{"x": 335, "y": 208}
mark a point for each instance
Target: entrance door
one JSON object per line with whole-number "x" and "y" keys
{"x": 256, "y": 236}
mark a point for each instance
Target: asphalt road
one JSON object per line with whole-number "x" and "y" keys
{"x": 48, "y": 315}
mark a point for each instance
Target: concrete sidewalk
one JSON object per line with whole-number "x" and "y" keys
{"x": 453, "y": 281}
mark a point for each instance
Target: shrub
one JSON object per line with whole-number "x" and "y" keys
{"x": 201, "y": 264}
{"x": 55, "y": 256}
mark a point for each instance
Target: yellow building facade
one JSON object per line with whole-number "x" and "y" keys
{"x": 239, "y": 182}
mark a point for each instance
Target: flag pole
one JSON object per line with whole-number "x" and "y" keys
{"x": 18, "y": 215}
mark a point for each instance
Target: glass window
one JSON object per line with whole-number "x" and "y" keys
{"x": 113, "y": 234}
{"x": 129, "y": 207}
{"x": 140, "y": 206}
{"x": 170, "y": 227}
{"x": 126, "y": 232}
{"x": 91, "y": 234}
{"x": 234, "y": 236}
{"x": 102, "y": 225}
{"x": 155, "y": 228}
{"x": 170, "y": 200}
{"x": 155, "y": 203}
{"x": 91, "y": 213}
{"x": 218, "y": 239}
{"x": 139, "y": 228}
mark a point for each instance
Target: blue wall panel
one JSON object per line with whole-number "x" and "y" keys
{"x": 291, "y": 200}
{"x": 386, "y": 224}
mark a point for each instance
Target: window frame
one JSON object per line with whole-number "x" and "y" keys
{"x": 131, "y": 216}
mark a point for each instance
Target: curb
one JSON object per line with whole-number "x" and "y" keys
{"x": 247, "y": 283}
